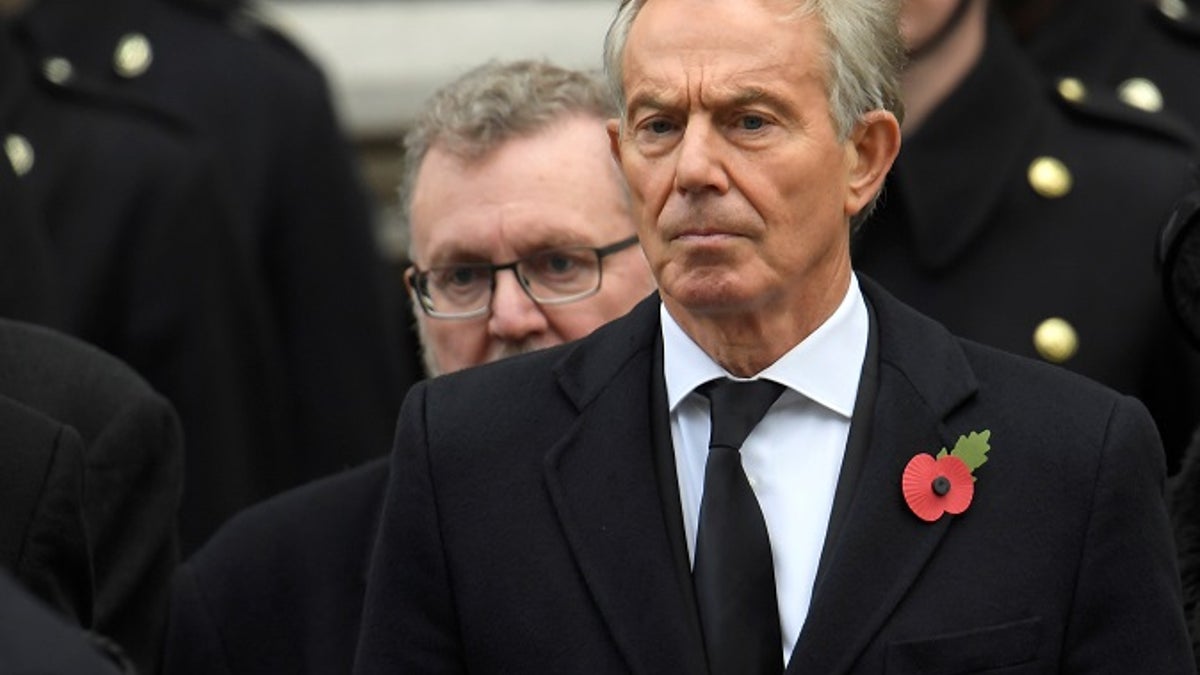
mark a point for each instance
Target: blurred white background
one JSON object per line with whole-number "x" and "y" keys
{"x": 383, "y": 58}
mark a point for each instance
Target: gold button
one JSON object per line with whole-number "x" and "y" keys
{"x": 1056, "y": 340}
{"x": 1173, "y": 9}
{"x": 133, "y": 55}
{"x": 20, "y": 153}
{"x": 1049, "y": 177}
{"x": 1141, "y": 93}
{"x": 1072, "y": 89}
{"x": 57, "y": 69}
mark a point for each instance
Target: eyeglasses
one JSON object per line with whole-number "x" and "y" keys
{"x": 551, "y": 277}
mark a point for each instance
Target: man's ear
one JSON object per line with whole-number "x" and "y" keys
{"x": 614, "y": 138}
{"x": 872, "y": 148}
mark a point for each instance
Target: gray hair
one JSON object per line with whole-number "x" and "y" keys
{"x": 493, "y": 104}
{"x": 863, "y": 49}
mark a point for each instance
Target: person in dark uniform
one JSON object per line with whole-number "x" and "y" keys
{"x": 307, "y": 223}
{"x": 147, "y": 267}
{"x": 112, "y": 527}
{"x": 1023, "y": 214}
{"x": 1147, "y": 51}
{"x": 139, "y": 264}
{"x": 35, "y": 641}
{"x": 280, "y": 588}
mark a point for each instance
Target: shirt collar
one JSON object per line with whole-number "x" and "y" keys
{"x": 824, "y": 367}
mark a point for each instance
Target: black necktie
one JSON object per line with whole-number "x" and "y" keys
{"x": 733, "y": 573}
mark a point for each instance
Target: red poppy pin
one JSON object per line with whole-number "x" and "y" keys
{"x": 945, "y": 484}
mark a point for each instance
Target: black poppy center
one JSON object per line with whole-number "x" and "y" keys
{"x": 941, "y": 486}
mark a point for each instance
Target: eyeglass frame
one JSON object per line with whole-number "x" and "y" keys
{"x": 417, "y": 279}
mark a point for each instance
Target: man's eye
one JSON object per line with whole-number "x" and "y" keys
{"x": 752, "y": 122}
{"x": 457, "y": 277}
{"x": 559, "y": 264}
{"x": 556, "y": 265}
{"x": 660, "y": 126}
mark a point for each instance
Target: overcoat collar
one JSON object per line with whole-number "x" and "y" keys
{"x": 951, "y": 173}
{"x": 602, "y": 472}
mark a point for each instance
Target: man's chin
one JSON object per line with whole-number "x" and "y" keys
{"x": 708, "y": 293}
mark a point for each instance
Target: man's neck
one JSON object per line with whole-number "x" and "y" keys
{"x": 927, "y": 81}
{"x": 748, "y": 340}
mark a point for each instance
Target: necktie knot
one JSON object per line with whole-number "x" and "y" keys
{"x": 737, "y": 407}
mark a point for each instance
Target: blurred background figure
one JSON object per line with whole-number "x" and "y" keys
{"x": 335, "y": 355}
{"x": 1024, "y": 215}
{"x": 135, "y": 238}
{"x": 1147, "y": 51}
{"x": 509, "y": 187}
{"x": 92, "y": 472}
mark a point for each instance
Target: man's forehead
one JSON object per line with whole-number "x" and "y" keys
{"x": 729, "y": 63}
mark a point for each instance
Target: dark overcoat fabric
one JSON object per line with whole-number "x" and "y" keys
{"x": 132, "y": 463}
{"x": 1184, "y": 501}
{"x": 279, "y": 589}
{"x": 306, "y": 220}
{"x": 963, "y": 236}
{"x": 36, "y": 642}
{"x": 43, "y": 540}
{"x": 523, "y": 529}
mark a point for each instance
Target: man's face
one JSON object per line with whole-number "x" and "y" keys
{"x": 738, "y": 179}
{"x": 557, "y": 188}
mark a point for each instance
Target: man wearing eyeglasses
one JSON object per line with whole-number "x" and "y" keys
{"x": 519, "y": 224}
{"x": 521, "y": 233}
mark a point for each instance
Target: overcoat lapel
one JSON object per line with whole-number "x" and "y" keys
{"x": 882, "y": 547}
{"x": 601, "y": 479}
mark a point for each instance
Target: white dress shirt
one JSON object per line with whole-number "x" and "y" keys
{"x": 792, "y": 458}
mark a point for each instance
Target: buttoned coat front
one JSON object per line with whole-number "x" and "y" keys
{"x": 524, "y": 528}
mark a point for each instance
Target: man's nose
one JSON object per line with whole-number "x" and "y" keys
{"x": 699, "y": 166}
{"x": 515, "y": 316}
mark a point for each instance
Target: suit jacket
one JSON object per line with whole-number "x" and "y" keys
{"x": 36, "y": 642}
{"x": 963, "y": 236}
{"x": 279, "y": 588}
{"x": 43, "y": 539}
{"x": 132, "y": 482}
{"x": 524, "y": 528}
